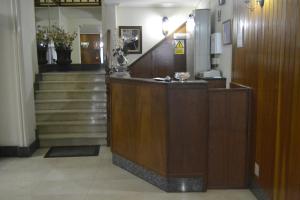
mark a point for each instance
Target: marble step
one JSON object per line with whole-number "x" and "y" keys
{"x": 72, "y": 85}
{"x": 69, "y": 104}
{"x": 70, "y": 115}
{"x": 70, "y": 94}
{"x": 91, "y": 126}
{"x": 74, "y": 76}
{"x": 62, "y": 139}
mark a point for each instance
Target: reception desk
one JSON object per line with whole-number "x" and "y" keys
{"x": 160, "y": 132}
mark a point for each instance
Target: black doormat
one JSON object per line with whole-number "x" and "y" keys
{"x": 73, "y": 151}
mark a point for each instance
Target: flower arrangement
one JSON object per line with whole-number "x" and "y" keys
{"x": 120, "y": 53}
{"x": 61, "y": 38}
{"x": 42, "y": 37}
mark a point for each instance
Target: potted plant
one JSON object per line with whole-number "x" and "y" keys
{"x": 63, "y": 42}
{"x": 42, "y": 39}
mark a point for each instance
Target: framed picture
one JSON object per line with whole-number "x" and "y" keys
{"x": 132, "y": 37}
{"x": 227, "y": 32}
{"x": 222, "y": 2}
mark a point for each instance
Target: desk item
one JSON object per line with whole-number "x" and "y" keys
{"x": 182, "y": 76}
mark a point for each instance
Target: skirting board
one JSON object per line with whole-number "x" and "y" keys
{"x": 259, "y": 193}
{"x": 195, "y": 184}
{"x": 14, "y": 151}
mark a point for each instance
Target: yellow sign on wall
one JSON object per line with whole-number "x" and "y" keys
{"x": 179, "y": 47}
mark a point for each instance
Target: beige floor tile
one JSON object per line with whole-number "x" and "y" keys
{"x": 114, "y": 196}
{"x": 86, "y": 178}
{"x": 58, "y": 197}
{"x": 128, "y": 185}
{"x": 61, "y": 188}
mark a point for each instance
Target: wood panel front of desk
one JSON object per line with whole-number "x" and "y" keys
{"x": 161, "y": 127}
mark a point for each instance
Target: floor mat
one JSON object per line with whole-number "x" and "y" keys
{"x": 73, "y": 151}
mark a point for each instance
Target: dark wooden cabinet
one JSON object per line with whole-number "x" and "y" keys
{"x": 161, "y": 126}
{"x": 183, "y": 130}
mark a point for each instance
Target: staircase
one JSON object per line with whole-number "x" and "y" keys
{"x": 71, "y": 109}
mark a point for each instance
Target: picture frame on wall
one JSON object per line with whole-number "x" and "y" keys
{"x": 227, "y": 32}
{"x": 132, "y": 37}
{"x": 222, "y": 2}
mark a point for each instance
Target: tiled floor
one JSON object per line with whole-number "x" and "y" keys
{"x": 86, "y": 178}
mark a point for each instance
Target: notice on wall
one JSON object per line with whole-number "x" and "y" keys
{"x": 179, "y": 47}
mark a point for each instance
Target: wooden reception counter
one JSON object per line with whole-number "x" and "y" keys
{"x": 159, "y": 132}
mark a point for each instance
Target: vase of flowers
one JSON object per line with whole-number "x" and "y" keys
{"x": 63, "y": 42}
{"x": 42, "y": 40}
{"x": 119, "y": 54}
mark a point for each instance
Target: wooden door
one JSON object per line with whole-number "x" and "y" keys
{"x": 90, "y": 48}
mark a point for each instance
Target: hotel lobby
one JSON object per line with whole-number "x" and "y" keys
{"x": 150, "y": 99}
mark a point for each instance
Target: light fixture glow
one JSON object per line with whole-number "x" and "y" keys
{"x": 261, "y": 2}
{"x": 165, "y": 26}
{"x": 252, "y": 4}
{"x": 190, "y": 23}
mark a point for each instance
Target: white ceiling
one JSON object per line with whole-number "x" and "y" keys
{"x": 155, "y": 3}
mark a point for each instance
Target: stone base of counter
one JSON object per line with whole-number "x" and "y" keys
{"x": 167, "y": 184}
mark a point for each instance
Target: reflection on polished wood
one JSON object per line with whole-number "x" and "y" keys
{"x": 183, "y": 130}
{"x": 229, "y": 137}
{"x": 269, "y": 62}
{"x": 157, "y": 125}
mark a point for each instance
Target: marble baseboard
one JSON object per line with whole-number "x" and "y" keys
{"x": 14, "y": 151}
{"x": 258, "y": 192}
{"x": 167, "y": 184}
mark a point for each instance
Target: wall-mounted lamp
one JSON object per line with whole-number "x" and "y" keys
{"x": 261, "y": 2}
{"x": 190, "y": 25}
{"x": 165, "y": 25}
{"x": 251, "y": 4}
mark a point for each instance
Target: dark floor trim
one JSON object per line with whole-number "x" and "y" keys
{"x": 195, "y": 184}
{"x": 259, "y": 193}
{"x": 69, "y": 68}
{"x": 14, "y": 151}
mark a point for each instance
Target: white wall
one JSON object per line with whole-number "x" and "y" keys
{"x": 109, "y": 22}
{"x": 150, "y": 18}
{"x": 28, "y": 67}
{"x": 225, "y": 58}
{"x": 10, "y": 126}
{"x": 18, "y": 65}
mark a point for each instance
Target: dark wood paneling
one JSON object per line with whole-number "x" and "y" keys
{"x": 228, "y": 154}
{"x": 138, "y": 123}
{"x": 214, "y": 82}
{"x": 188, "y": 130}
{"x": 269, "y": 63}
{"x": 161, "y": 126}
{"x": 160, "y": 60}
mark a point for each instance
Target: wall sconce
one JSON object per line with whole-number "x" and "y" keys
{"x": 261, "y": 2}
{"x": 190, "y": 25}
{"x": 165, "y": 25}
{"x": 251, "y": 4}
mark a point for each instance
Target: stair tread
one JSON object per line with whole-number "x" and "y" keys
{"x": 62, "y": 91}
{"x": 69, "y": 100}
{"x": 74, "y": 73}
{"x": 75, "y": 135}
{"x": 70, "y": 111}
{"x": 92, "y": 81}
{"x": 90, "y": 122}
